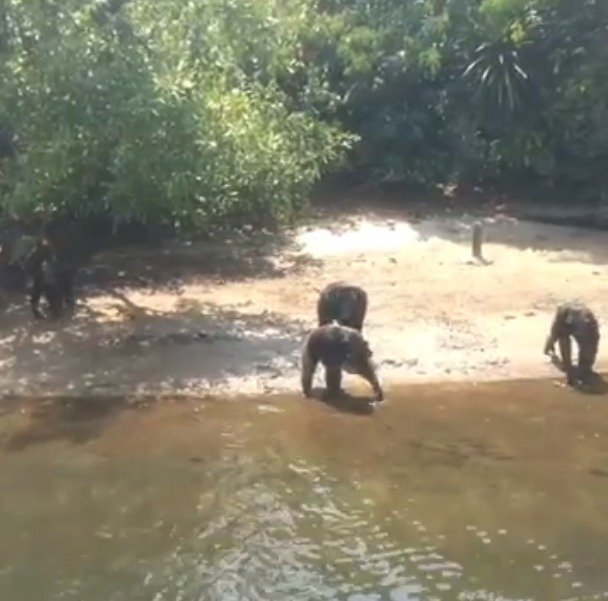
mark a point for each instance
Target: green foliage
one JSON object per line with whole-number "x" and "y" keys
{"x": 132, "y": 109}
{"x": 185, "y": 111}
{"x": 467, "y": 89}
{"x": 498, "y": 74}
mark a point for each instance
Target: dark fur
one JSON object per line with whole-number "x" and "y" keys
{"x": 577, "y": 321}
{"x": 337, "y": 348}
{"x": 51, "y": 279}
{"x": 343, "y": 303}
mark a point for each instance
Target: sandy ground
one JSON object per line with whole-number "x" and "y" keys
{"x": 210, "y": 317}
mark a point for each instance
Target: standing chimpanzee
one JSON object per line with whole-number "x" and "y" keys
{"x": 344, "y": 303}
{"x": 51, "y": 279}
{"x": 578, "y": 321}
{"x": 337, "y": 347}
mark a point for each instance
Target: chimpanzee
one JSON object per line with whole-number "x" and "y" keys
{"x": 344, "y": 303}
{"x": 338, "y": 347}
{"x": 578, "y": 321}
{"x": 51, "y": 279}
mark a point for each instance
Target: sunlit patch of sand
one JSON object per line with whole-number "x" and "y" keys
{"x": 368, "y": 236}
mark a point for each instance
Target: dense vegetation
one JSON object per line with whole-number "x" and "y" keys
{"x": 182, "y": 111}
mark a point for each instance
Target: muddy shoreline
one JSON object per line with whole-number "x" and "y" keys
{"x": 217, "y": 317}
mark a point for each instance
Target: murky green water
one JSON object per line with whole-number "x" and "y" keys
{"x": 488, "y": 492}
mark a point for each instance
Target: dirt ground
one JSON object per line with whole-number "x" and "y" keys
{"x": 209, "y": 317}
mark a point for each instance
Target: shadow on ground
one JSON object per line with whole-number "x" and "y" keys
{"x": 596, "y": 385}
{"x": 79, "y": 420}
{"x": 194, "y": 349}
{"x": 101, "y": 369}
{"x": 345, "y": 402}
{"x": 76, "y": 420}
{"x": 200, "y": 346}
{"x": 225, "y": 256}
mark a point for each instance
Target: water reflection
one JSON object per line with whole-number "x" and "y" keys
{"x": 482, "y": 493}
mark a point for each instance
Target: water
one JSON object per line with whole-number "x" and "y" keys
{"x": 445, "y": 493}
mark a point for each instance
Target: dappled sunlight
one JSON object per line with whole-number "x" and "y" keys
{"x": 232, "y": 314}
{"x": 194, "y": 348}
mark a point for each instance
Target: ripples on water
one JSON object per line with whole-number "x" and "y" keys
{"x": 249, "y": 522}
{"x": 300, "y": 534}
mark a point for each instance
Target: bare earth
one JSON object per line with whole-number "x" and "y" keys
{"x": 210, "y": 317}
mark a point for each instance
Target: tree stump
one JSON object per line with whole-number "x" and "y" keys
{"x": 476, "y": 241}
